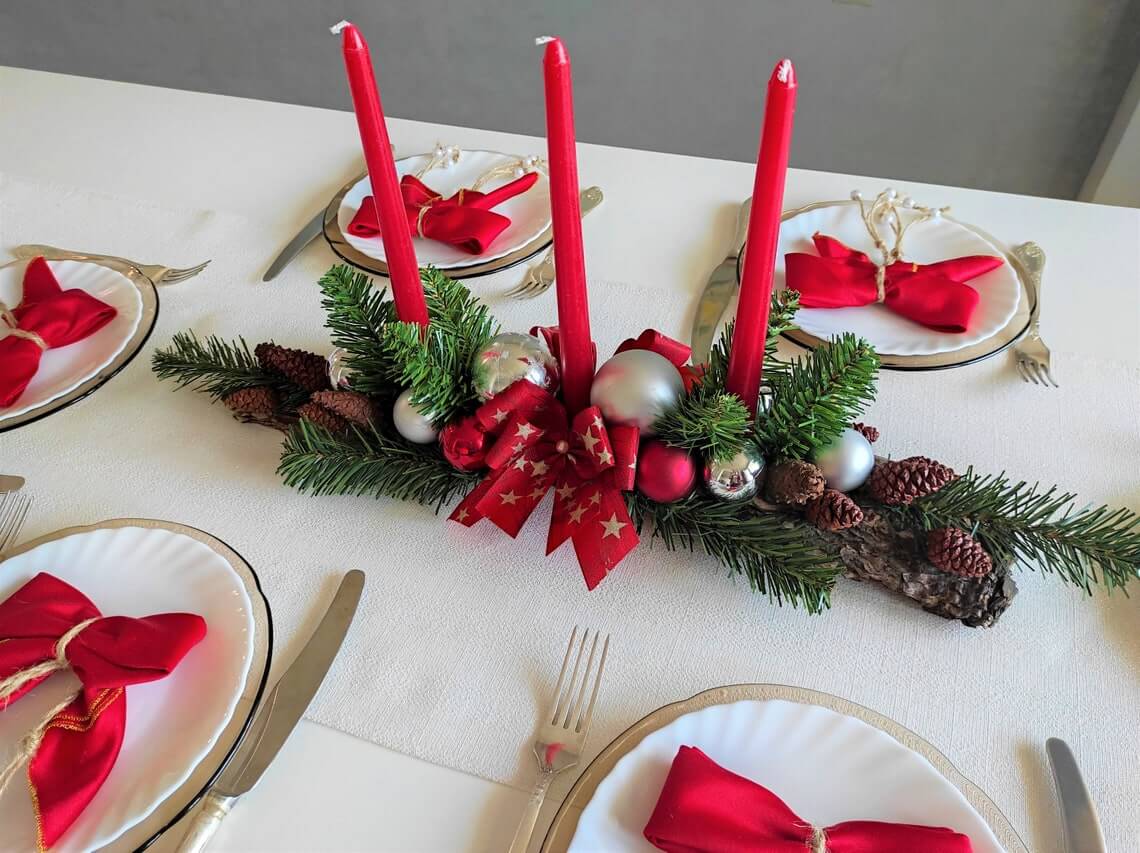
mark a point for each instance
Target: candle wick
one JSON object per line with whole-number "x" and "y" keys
{"x": 784, "y": 69}
{"x": 545, "y": 39}
{"x": 335, "y": 29}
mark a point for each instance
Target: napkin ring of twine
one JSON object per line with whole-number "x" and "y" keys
{"x": 427, "y": 205}
{"x": 817, "y": 841}
{"x": 14, "y": 330}
{"x": 28, "y": 745}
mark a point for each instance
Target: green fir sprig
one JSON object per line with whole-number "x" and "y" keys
{"x": 768, "y": 549}
{"x": 369, "y": 462}
{"x": 218, "y": 368}
{"x": 1038, "y": 527}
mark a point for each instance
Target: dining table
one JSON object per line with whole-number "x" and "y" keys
{"x": 419, "y": 740}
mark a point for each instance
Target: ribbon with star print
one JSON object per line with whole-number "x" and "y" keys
{"x": 538, "y": 448}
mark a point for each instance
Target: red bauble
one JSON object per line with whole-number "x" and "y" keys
{"x": 464, "y": 444}
{"x": 664, "y": 473}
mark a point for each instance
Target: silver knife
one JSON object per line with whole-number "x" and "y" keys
{"x": 303, "y": 238}
{"x": 1078, "y": 814}
{"x": 279, "y": 714}
{"x": 718, "y": 292}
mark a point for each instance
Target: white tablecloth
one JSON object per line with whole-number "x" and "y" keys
{"x": 460, "y": 630}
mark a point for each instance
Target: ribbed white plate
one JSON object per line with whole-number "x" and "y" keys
{"x": 66, "y": 368}
{"x": 529, "y": 212}
{"x": 171, "y": 724}
{"x": 826, "y": 766}
{"x": 927, "y": 242}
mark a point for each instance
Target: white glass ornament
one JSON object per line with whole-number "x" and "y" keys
{"x": 339, "y": 374}
{"x": 509, "y": 357}
{"x": 635, "y": 387}
{"x": 847, "y": 462}
{"x": 411, "y": 423}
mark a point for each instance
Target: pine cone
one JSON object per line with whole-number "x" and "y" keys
{"x": 259, "y": 401}
{"x": 869, "y": 432}
{"x": 317, "y": 414}
{"x": 353, "y": 406}
{"x": 832, "y": 511}
{"x": 794, "y": 482}
{"x": 957, "y": 552}
{"x": 898, "y": 483}
{"x": 306, "y": 369}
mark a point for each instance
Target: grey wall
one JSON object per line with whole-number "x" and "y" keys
{"x": 1011, "y": 95}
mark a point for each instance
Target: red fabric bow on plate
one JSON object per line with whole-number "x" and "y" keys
{"x": 80, "y": 743}
{"x": 465, "y": 220}
{"x": 47, "y": 317}
{"x": 704, "y": 808}
{"x": 587, "y": 462}
{"x": 933, "y": 295}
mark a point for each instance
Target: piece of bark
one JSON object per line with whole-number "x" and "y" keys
{"x": 877, "y": 550}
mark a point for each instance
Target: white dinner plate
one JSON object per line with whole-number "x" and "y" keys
{"x": 63, "y": 369}
{"x": 926, "y": 242}
{"x": 828, "y": 768}
{"x": 172, "y": 723}
{"x": 529, "y": 212}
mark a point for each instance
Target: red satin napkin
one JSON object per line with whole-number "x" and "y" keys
{"x": 465, "y": 220}
{"x": 704, "y": 808}
{"x": 59, "y": 317}
{"x": 81, "y": 742}
{"x": 933, "y": 295}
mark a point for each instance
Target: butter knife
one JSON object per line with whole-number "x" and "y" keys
{"x": 1078, "y": 814}
{"x": 718, "y": 292}
{"x": 278, "y": 716}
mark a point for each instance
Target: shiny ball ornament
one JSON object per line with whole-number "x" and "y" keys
{"x": 340, "y": 376}
{"x": 664, "y": 473}
{"x": 509, "y": 357}
{"x": 738, "y": 478}
{"x": 411, "y": 423}
{"x": 846, "y": 463}
{"x": 635, "y": 387}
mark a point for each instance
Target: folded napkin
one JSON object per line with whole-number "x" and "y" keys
{"x": 47, "y": 317}
{"x": 704, "y": 808}
{"x": 47, "y": 626}
{"x": 933, "y": 295}
{"x": 465, "y": 220}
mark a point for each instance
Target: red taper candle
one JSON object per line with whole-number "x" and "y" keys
{"x": 746, "y": 359}
{"x": 575, "y": 346}
{"x": 407, "y": 289}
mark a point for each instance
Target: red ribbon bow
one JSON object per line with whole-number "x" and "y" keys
{"x": 47, "y": 317}
{"x": 933, "y": 295}
{"x": 704, "y": 808}
{"x": 80, "y": 743}
{"x": 465, "y": 220}
{"x": 538, "y": 448}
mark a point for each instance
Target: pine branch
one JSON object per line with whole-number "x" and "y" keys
{"x": 369, "y": 462}
{"x": 218, "y": 368}
{"x": 776, "y": 558}
{"x": 1020, "y": 521}
{"x": 818, "y": 397}
{"x": 713, "y": 424}
{"x": 357, "y": 315}
{"x": 781, "y": 318}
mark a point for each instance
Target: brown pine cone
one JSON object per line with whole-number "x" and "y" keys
{"x": 898, "y": 483}
{"x": 260, "y": 401}
{"x": 317, "y": 414}
{"x": 353, "y": 406}
{"x": 832, "y": 511}
{"x": 957, "y": 552}
{"x": 794, "y": 482}
{"x": 306, "y": 369}
{"x": 869, "y": 432}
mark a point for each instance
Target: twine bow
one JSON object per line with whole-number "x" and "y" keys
{"x": 14, "y": 329}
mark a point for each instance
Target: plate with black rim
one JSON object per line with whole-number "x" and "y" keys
{"x": 182, "y": 799}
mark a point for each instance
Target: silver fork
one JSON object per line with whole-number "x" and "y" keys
{"x": 155, "y": 272}
{"x": 13, "y": 510}
{"x": 1032, "y": 355}
{"x": 564, "y": 728}
{"x": 540, "y": 276}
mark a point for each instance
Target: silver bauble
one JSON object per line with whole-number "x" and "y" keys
{"x": 339, "y": 374}
{"x": 411, "y": 423}
{"x": 509, "y": 357}
{"x": 846, "y": 463}
{"x": 738, "y": 478}
{"x": 635, "y": 387}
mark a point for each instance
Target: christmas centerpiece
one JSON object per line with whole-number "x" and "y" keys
{"x": 759, "y": 462}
